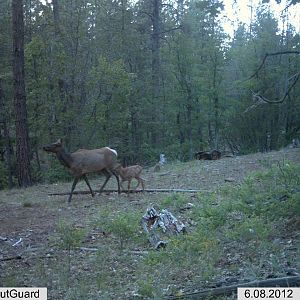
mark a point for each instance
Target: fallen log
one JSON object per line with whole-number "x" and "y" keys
{"x": 290, "y": 281}
{"x": 133, "y": 191}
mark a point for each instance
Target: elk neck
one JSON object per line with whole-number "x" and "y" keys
{"x": 64, "y": 158}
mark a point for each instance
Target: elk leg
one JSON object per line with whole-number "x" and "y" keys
{"x": 88, "y": 184}
{"x": 107, "y": 175}
{"x": 73, "y": 187}
{"x": 118, "y": 180}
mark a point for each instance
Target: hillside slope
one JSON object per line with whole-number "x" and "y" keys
{"x": 233, "y": 235}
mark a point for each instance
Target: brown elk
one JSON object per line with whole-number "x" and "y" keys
{"x": 128, "y": 173}
{"x": 82, "y": 162}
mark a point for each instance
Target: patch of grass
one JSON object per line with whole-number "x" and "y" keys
{"x": 250, "y": 229}
{"x": 124, "y": 226}
{"x": 69, "y": 239}
{"x": 79, "y": 291}
{"x": 10, "y": 281}
{"x": 174, "y": 201}
{"x": 146, "y": 288}
{"x": 69, "y": 236}
{"x": 27, "y": 204}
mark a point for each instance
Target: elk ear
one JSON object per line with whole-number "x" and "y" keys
{"x": 59, "y": 141}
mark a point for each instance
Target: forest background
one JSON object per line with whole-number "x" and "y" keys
{"x": 143, "y": 77}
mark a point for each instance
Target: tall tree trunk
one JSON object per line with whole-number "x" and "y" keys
{"x": 56, "y": 17}
{"x": 7, "y": 148}
{"x": 155, "y": 67}
{"x": 22, "y": 137}
{"x": 216, "y": 104}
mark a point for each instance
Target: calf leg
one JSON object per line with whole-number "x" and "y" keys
{"x": 138, "y": 180}
{"x": 129, "y": 182}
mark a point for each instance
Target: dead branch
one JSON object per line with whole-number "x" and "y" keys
{"x": 227, "y": 290}
{"x": 261, "y": 98}
{"x": 171, "y": 29}
{"x": 89, "y": 249}
{"x": 258, "y": 102}
{"x": 271, "y": 54}
{"x": 133, "y": 191}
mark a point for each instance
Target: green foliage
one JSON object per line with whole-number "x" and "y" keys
{"x": 95, "y": 77}
{"x": 3, "y": 176}
{"x": 56, "y": 172}
{"x": 150, "y": 155}
{"x": 253, "y": 228}
{"x": 124, "y": 226}
{"x": 69, "y": 236}
{"x": 146, "y": 288}
{"x": 79, "y": 291}
{"x": 244, "y": 214}
{"x": 244, "y": 217}
{"x": 174, "y": 201}
{"x": 27, "y": 204}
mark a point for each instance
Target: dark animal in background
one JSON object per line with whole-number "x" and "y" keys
{"x": 215, "y": 154}
{"x": 82, "y": 162}
{"x": 206, "y": 155}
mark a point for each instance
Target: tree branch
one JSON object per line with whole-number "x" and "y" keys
{"x": 172, "y": 29}
{"x": 271, "y": 54}
{"x": 259, "y": 97}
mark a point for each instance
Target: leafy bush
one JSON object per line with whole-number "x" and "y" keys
{"x": 150, "y": 155}
{"x": 70, "y": 237}
{"x": 125, "y": 227}
{"x": 145, "y": 288}
{"x": 56, "y": 172}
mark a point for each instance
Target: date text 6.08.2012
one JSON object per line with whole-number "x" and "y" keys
{"x": 275, "y": 293}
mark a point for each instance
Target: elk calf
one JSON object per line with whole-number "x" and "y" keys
{"x": 128, "y": 173}
{"x": 82, "y": 162}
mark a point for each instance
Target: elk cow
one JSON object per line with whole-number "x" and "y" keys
{"x": 82, "y": 162}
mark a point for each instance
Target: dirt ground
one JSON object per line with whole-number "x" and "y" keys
{"x": 28, "y": 217}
